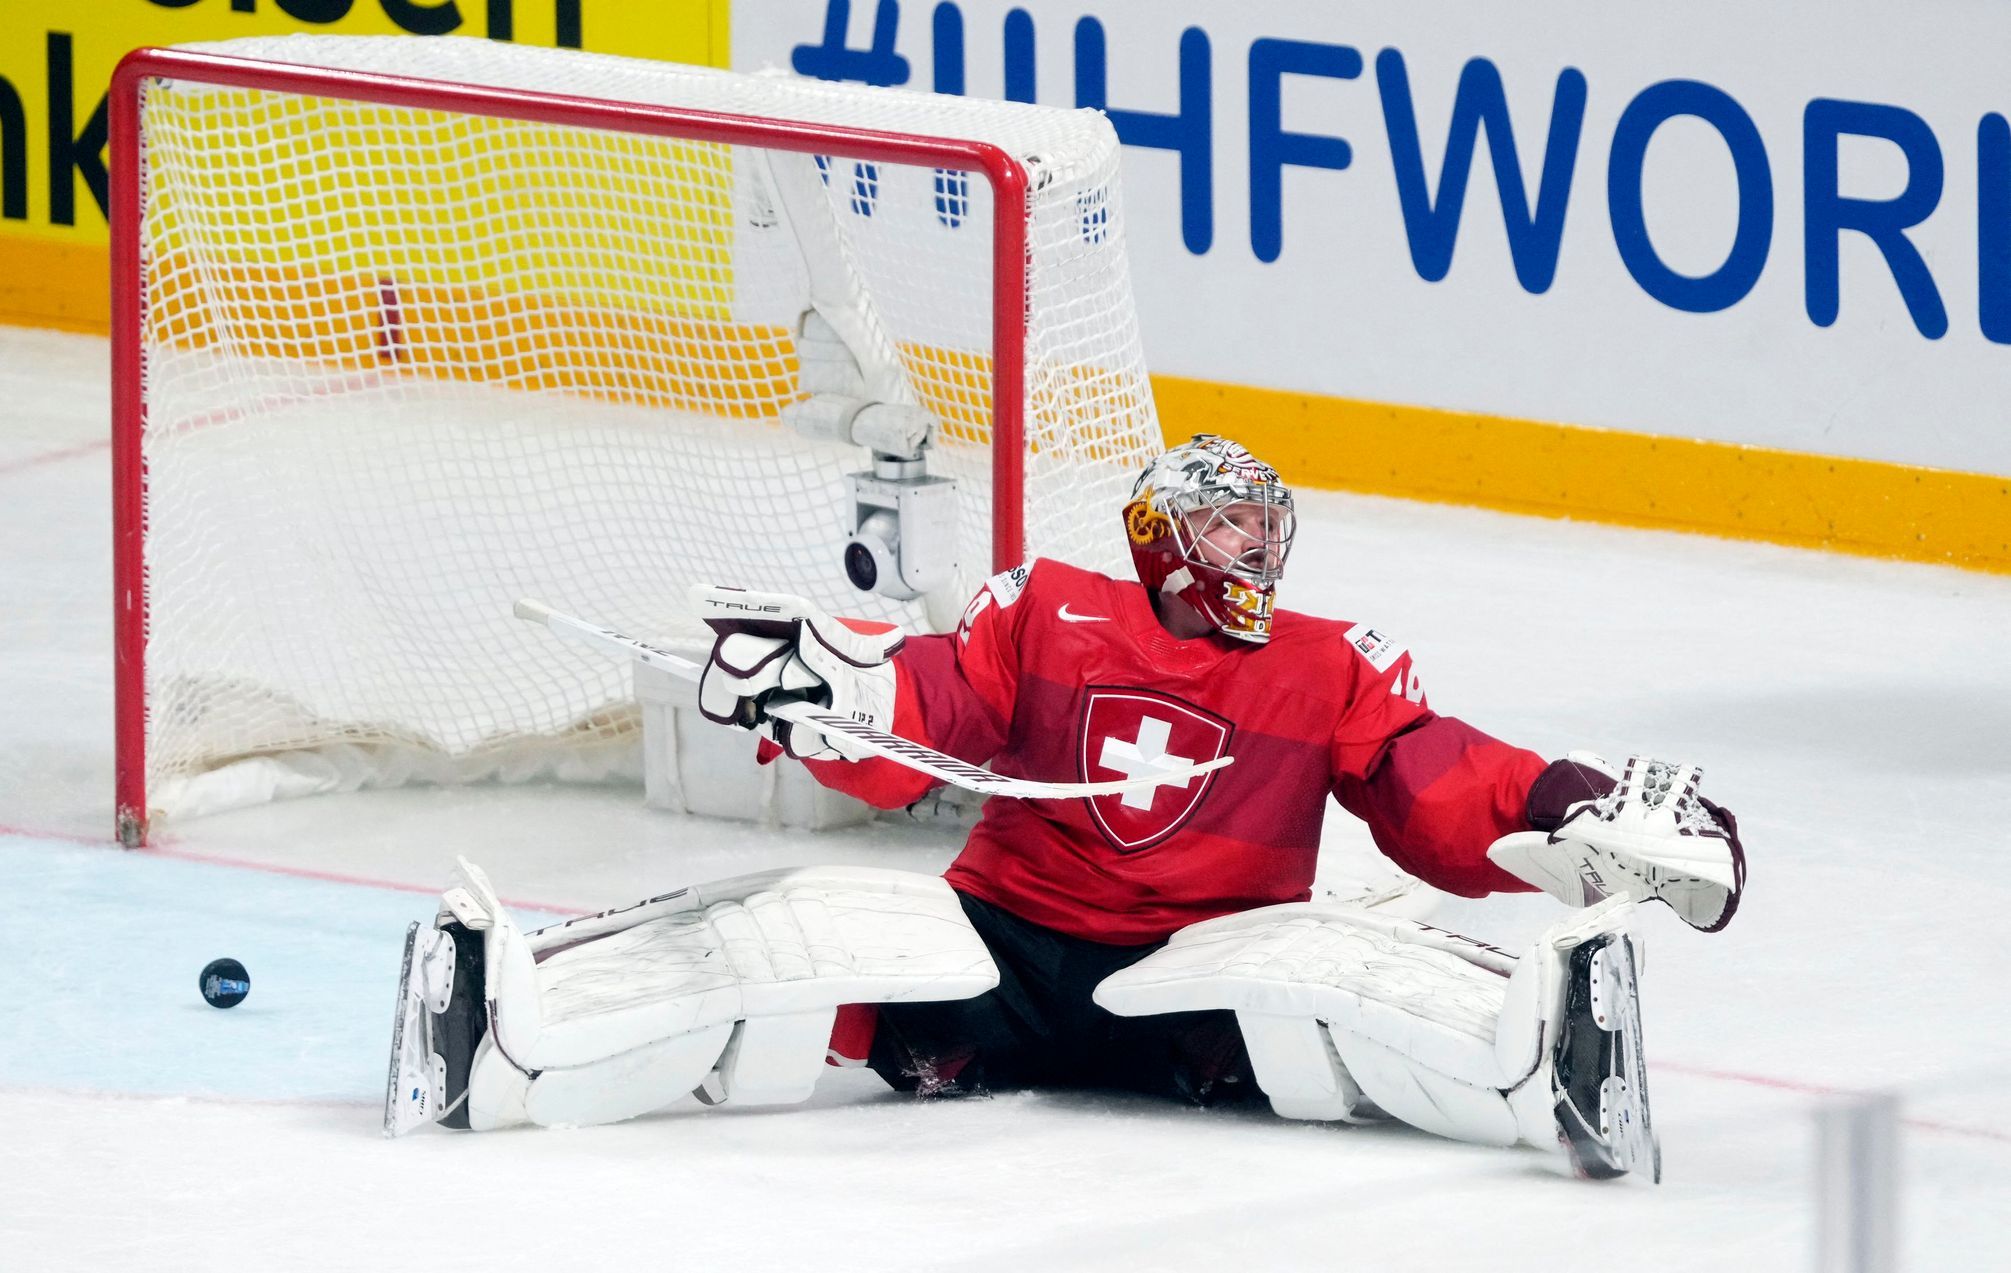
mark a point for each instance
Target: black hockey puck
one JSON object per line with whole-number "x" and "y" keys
{"x": 224, "y": 983}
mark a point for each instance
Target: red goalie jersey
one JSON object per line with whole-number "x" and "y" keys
{"x": 1062, "y": 674}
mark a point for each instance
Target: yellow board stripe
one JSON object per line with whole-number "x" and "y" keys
{"x": 1867, "y": 507}
{"x": 50, "y": 283}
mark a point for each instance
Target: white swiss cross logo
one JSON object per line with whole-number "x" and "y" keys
{"x": 1148, "y": 755}
{"x": 1129, "y": 733}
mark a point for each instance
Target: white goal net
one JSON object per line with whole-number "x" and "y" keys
{"x": 394, "y": 355}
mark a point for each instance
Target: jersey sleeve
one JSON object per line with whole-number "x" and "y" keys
{"x": 954, "y": 693}
{"x": 1434, "y": 791}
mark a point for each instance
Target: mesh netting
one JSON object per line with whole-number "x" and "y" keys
{"x": 403, "y": 366}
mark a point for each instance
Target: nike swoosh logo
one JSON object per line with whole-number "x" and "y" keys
{"x": 1066, "y": 617}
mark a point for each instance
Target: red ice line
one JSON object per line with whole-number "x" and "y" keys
{"x": 1820, "y": 1089}
{"x": 67, "y": 837}
{"x": 158, "y": 849}
{"x": 51, "y": 457}
{"x": 338, "y": 877}
{"x": 26, "y": 462}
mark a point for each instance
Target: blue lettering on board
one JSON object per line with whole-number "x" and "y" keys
{"x": 1480, "y": 104}
{"x": 1727, "y": 285}
{"x": 1188, "y": 132}
{"x": 1271, "y": 146}
{"x": 1432, "y": 212}
{"x": 1827, "y": 212}
{"x": 1993, "y": 228}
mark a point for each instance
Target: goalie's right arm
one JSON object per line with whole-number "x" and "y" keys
{"x": 772, "y": 646}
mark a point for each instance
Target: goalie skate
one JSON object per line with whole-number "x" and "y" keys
{"x": 439, "y": 1022}
{"x": 1600, "y": 1076}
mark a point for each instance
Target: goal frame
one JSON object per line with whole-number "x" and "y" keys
{"x": 1008, "y": 179}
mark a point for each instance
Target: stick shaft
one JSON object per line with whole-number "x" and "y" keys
{"x": 927, "y": 760}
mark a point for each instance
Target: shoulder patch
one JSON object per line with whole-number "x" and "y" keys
{"x": 1000, "y": 590}
{"x": 1008, "y": 584}
{"x": 1379, "y": 649}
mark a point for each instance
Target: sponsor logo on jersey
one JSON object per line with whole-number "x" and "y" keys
{"x": 1008, "y": 584}
{"x": 1380, "y": 650}
{"x": 1133, "y": 733}
{"x": 1002, "y": 589}
{"x": 1066, "y": 617}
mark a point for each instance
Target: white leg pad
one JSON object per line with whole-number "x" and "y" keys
{"x": 497, "y": 1090}
{"x": 1423, "y": 1097}
{"x": 1299, "y": 1069}
{"x": 1353, "y": 1015}
{"x": 635, "y": 1082}
{"x": 776, "y": 1060}
{"x": 616, "y": 1014}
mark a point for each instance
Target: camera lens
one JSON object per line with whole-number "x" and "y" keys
{"x": 860, "y": 567}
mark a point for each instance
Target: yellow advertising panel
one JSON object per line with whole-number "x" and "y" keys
{"x": 56, "y": 58}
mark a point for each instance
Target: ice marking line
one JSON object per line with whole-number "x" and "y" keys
{"x": 270, "y": 868}
{"x": 67, "y": 837}
{"x": 1757, "y": 1080}
{"x": 52, "y": 457}
{"x": 336, "y": 877}
{"x": 1824, "y": 1089}
{"x": 188, "y": 1098}
{"x": 1956, "y": 1129}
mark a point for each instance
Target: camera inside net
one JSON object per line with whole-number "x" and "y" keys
{"x": 904, "y": 530}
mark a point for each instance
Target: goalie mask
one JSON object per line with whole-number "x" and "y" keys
{"x": 1211, "y": 524}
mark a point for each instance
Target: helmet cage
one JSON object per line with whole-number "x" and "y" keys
{"x": 1242, "y": 530}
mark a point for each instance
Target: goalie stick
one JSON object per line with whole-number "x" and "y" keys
{"x": 927, "y": 760}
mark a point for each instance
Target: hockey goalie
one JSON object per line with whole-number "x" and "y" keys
{"x": 1159, "y": 939}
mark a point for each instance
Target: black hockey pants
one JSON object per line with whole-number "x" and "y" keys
{"x": 1039, "y": 1028}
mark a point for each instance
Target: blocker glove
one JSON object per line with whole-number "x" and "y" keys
{"x": 772, "y": 647}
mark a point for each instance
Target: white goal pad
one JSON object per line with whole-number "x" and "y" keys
{"x": 1355, "y": 1016}
{"x": 737, "y": 982}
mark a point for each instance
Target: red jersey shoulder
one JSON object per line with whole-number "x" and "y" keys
{"x": 1058, "y": 582}
{"x": 1367, "y": 655}
{"x": 1074, "y": 595}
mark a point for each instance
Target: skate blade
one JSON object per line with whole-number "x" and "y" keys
{"x": 415, "y": 1086}
{"x": 1624, "y": 1122}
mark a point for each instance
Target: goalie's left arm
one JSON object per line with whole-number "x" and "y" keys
{"x": 1434, "y": 791}
{"x": 1473, "y": 815}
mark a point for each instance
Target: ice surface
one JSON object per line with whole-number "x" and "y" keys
{"x": 1856, "y": 714}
